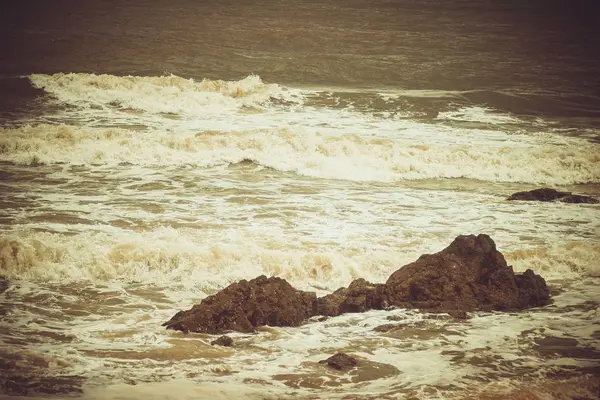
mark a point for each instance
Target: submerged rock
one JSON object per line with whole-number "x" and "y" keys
{"x": 340, "y": 361}
{"x": 546, "y": 194}
{"x": 468, "y": 275}
{"x": 244, "y": 305}
{"x": 223, "y": 341}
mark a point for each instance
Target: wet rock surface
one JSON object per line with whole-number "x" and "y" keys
{"x": 244, "y": 305}
{"x": 547, "y": 194}
{"x": 223, "y": 341}
{"x": 468, "y": 275}
{"x": 340, "y": 361}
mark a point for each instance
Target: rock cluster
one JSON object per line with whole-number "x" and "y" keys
{"x": 470, "y": 274}
{"x": 546, "y": 194}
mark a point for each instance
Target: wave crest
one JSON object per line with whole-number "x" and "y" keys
{"x": 306, "y": 152}
{"x": 159, "y": 94}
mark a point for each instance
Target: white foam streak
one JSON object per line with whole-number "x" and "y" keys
{"x": 478, "y": 114}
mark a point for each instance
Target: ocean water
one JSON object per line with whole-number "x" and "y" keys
{"x": 153, "y": 153}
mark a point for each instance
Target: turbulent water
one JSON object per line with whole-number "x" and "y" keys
{"x": 151, "y": 154}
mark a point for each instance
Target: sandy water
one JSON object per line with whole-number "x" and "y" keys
{"x": 129, "y": 192}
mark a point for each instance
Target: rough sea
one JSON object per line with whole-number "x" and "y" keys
{"x": 153, "y": 152}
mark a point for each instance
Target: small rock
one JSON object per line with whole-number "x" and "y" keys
{"x": 546, "y": 194}
{"x": 340, "y": 361}
{"x": 578, "y": 199}
{"x": 223, "y": 341}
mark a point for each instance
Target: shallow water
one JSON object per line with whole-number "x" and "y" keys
{"x": 151, "y": 154}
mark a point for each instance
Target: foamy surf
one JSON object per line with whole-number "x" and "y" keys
{"x": 402, "y": 353}
{"x": 204, "y": 262}
{"x": 161, "y": 94}
{"x": 310, "y": 152}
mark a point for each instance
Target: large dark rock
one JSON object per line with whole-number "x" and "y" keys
{"x": 546, "y": 194}
{"x": 244, "y": 305}
{"x": 468, "y": 275}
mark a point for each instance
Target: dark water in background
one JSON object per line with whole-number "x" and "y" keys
{"x": 546, "y": 53}
{"x": 378, "y": 131}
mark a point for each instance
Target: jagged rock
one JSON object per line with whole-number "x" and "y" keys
{"x": 223, "y": 341}
{"x": 340, "y": 361}
{"x": 546, "y": 194}
{"x": 3, "y": 284}
{"x": 244, "y": 305}
{"x": 360, "y": 296}
{"x": 468, "y": 275}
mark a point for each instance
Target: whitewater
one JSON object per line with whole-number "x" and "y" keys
{"x": 127, "y": 198}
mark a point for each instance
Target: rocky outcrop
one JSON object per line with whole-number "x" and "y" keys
{"x": 244, "y": 305}
{"x": 546, "y": 194}
{"x": 340, "y": 361}
{"x": 469, "y": 275}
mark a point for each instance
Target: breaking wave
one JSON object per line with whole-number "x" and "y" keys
{"x": 308, "y": 152}
{"x": 160, "y": 94}
{"x": 180, "y": 257}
